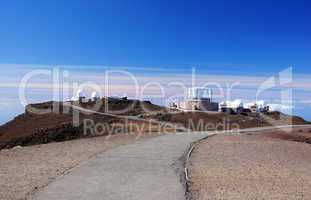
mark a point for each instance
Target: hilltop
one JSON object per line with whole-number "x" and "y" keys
{"x": 30, "y": 129}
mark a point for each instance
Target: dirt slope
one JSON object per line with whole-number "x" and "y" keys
{"x": 29, "y": 129}
{"x": 201, "y": 121}
{"x": 270, "y": 165}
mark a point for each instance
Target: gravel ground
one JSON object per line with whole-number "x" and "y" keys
{"x": 25, "y": 170}
{"x": 250, "y": 167}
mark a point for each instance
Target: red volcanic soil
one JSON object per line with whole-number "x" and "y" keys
{"x": 202, "y": 121}
{"x": 26, "y": 124}
{"x": 296, "y": 135}
{"x": 29, "y": 129}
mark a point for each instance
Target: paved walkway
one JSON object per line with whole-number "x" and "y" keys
{"x": 144, "y": 170}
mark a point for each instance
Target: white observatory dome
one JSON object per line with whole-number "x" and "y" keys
{"x": 94, "y": 95}
{"x": 79, "y": 94}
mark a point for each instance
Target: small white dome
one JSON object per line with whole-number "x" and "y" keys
{"x": 232, "y": 104}
{"x": 261, "y": 103}
{"x": 237, "y": 103}
{"x": 95, "y": 95}
{"x": 80, "y": 93}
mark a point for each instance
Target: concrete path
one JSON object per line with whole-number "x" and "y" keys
{"x": 144, "y": 170}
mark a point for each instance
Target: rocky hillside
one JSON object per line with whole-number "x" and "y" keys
{"x": 202, "y": 121}
{"x": 30, "y": 129}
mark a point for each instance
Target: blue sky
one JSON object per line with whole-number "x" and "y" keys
{"x": 242, "y": 38}
{"x": 159, "y": 33}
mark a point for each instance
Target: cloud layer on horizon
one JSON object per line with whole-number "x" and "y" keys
{"x": 127, "y": 80}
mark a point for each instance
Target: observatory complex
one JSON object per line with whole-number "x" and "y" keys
{"x": 201, "y": 99}
{"x": 198, "y": 99}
